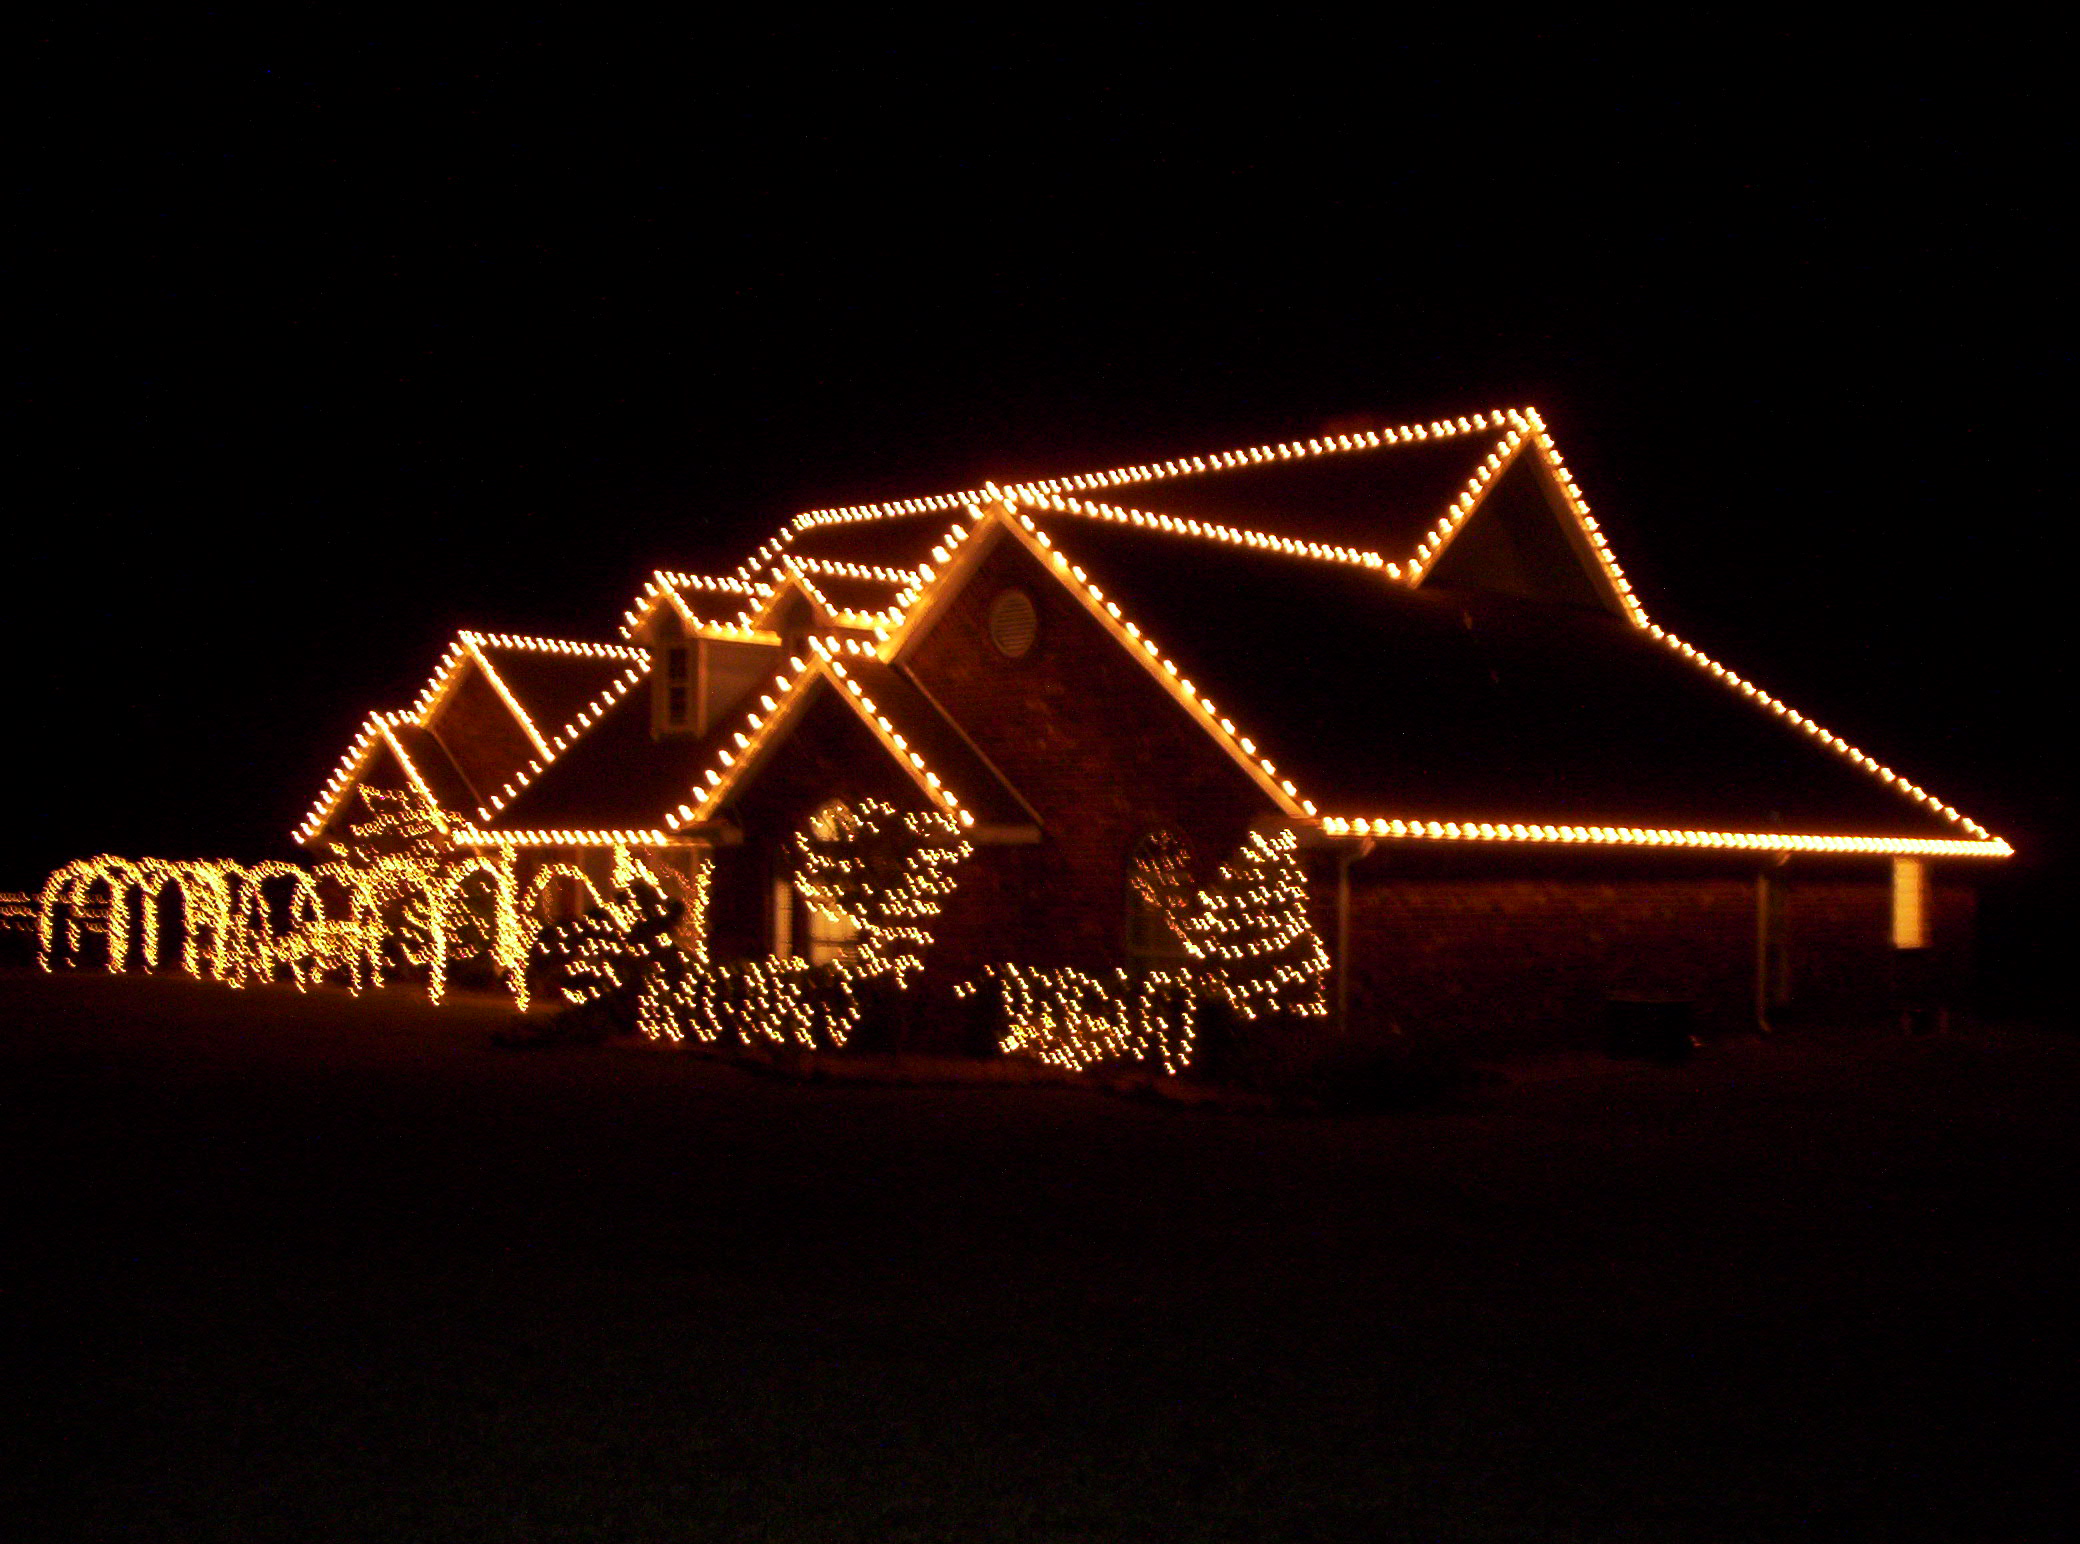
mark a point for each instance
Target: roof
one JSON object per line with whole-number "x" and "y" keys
{"x": 1440, "y": 704}
{"x": 615, "y": 776}
{"x": 1416, "y": 632}
{"x": 429, "y": 767}
{"x": 552, "y": 685}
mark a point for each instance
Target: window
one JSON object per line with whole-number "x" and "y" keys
{"x": 799, "y": 926}
{"x": 674, "y": 677}
{"x": 678, "y": 679}
{"x": 1159, "y": 887}
{"x": 1909, "y": 904}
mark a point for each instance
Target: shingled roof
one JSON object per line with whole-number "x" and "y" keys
{"x": 1415, "y": 633}
{"x": 1448, "y": 704}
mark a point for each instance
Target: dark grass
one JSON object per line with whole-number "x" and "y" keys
{"x": 315, "y": 1268}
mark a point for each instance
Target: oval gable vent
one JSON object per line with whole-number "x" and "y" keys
{"x": 1013, "y": 624}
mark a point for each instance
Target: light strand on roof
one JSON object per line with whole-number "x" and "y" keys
{"x": 574, "y": 648}
{"x": 1165, "y": 672}
{"x": 565, "y": 738}
{"x": 341, "y": 778}
{"x": 665, "y": 582}
{"x": 1813, "y": 731}
{"x": 1462, "y": 505}
{"x": 477, "y": 836}
{"x": 756, "y": 729}
{"x": 505, "y": 695}
{"x": 1643, "y": 836}
{"x": 836, "y": 570}
{"x": 1580, "y": 508}
{"x": 1290, "y": 450}
{"x": 1261, "y": 541}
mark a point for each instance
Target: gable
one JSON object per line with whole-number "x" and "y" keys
{"x": 480, "y": 731}
{"x": 1464, "y": 706}
{"x": 1077, "y": 725}
{"x": 826, "y": 752}
{"x": 1521, "y": 540}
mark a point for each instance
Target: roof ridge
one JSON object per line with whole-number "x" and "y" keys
{"x": 1217, "y": 461}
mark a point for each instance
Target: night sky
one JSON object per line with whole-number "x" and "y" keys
{"x": 328, "y": 342}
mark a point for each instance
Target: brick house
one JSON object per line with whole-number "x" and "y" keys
{"x": 1514, "y": 797}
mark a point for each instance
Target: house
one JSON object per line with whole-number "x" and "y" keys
{"x": 1504, "y": 797}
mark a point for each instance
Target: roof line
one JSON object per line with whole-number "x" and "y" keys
{"x": 1142, "y": 648}
{"x": 1657, "y": 836}
{"x": 576, "y": 648}
{"x": 343, "y": 777}
{"x": 956, "y": 554}
{"x": 1219, "y": 461}
{"x": 1463, "y": 504}
{"x": 561, "y": 742}
{"x": 441, "y": 682}
{"x": 664, "y": 581}
{"x": 411, "y": 772}
{"x": 477, "y": 836}
{"x": 505, "y": 695}
{"x": 1179, "y": 525}
{"x": 1832, "y": 741}
{"x": 1586, "y": 536}
{"x": 782, "y": 710}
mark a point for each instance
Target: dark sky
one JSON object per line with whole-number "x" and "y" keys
{"x": 330, "y": 341}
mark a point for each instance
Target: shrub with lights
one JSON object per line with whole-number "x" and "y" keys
{"x": 887, "y": 876}
{"x": 1254, "y": 956}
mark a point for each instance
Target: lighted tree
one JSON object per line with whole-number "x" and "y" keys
{"x": 888, "y": 875}
{"x": 1251, "y": 936}
{"x": 396, "y": 823}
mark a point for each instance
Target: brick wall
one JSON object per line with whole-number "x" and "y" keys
{"x": 1490, "y": 961}
{"x": 1101, "y": 752}
{"x": 1839, "y": 942}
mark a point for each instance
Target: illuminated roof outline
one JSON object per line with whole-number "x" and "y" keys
{"x": 1515, "y": 433}
{"x": 1295, "y": 805}
{"x": 472, "y": 649}
{"x": 856, "y": 672}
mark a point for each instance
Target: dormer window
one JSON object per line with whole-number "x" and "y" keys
{"x": 696, "y": 680}
{"x": 678, "y": 686}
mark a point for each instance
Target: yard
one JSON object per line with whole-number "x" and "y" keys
{"x": 322, "y": 1268}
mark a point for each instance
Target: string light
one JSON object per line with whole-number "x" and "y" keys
{"x": 1228, "y": 460}
{"x": 886, "y": 876}
{"x": 1642, "y": 836}
{"x": 782, "y": 703}
{"x": 412, "y": 887}
{"x": 1251, "y": 944}
{"x": 1251, "y": 935}
{"x": 468, "y": 648}
{"x": 1075, "y": 1020}
{"x": 403, "y": 900}
{"x": 1519, "y": 431}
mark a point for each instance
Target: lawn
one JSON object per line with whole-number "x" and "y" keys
{"x": 319, "y": 1268}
